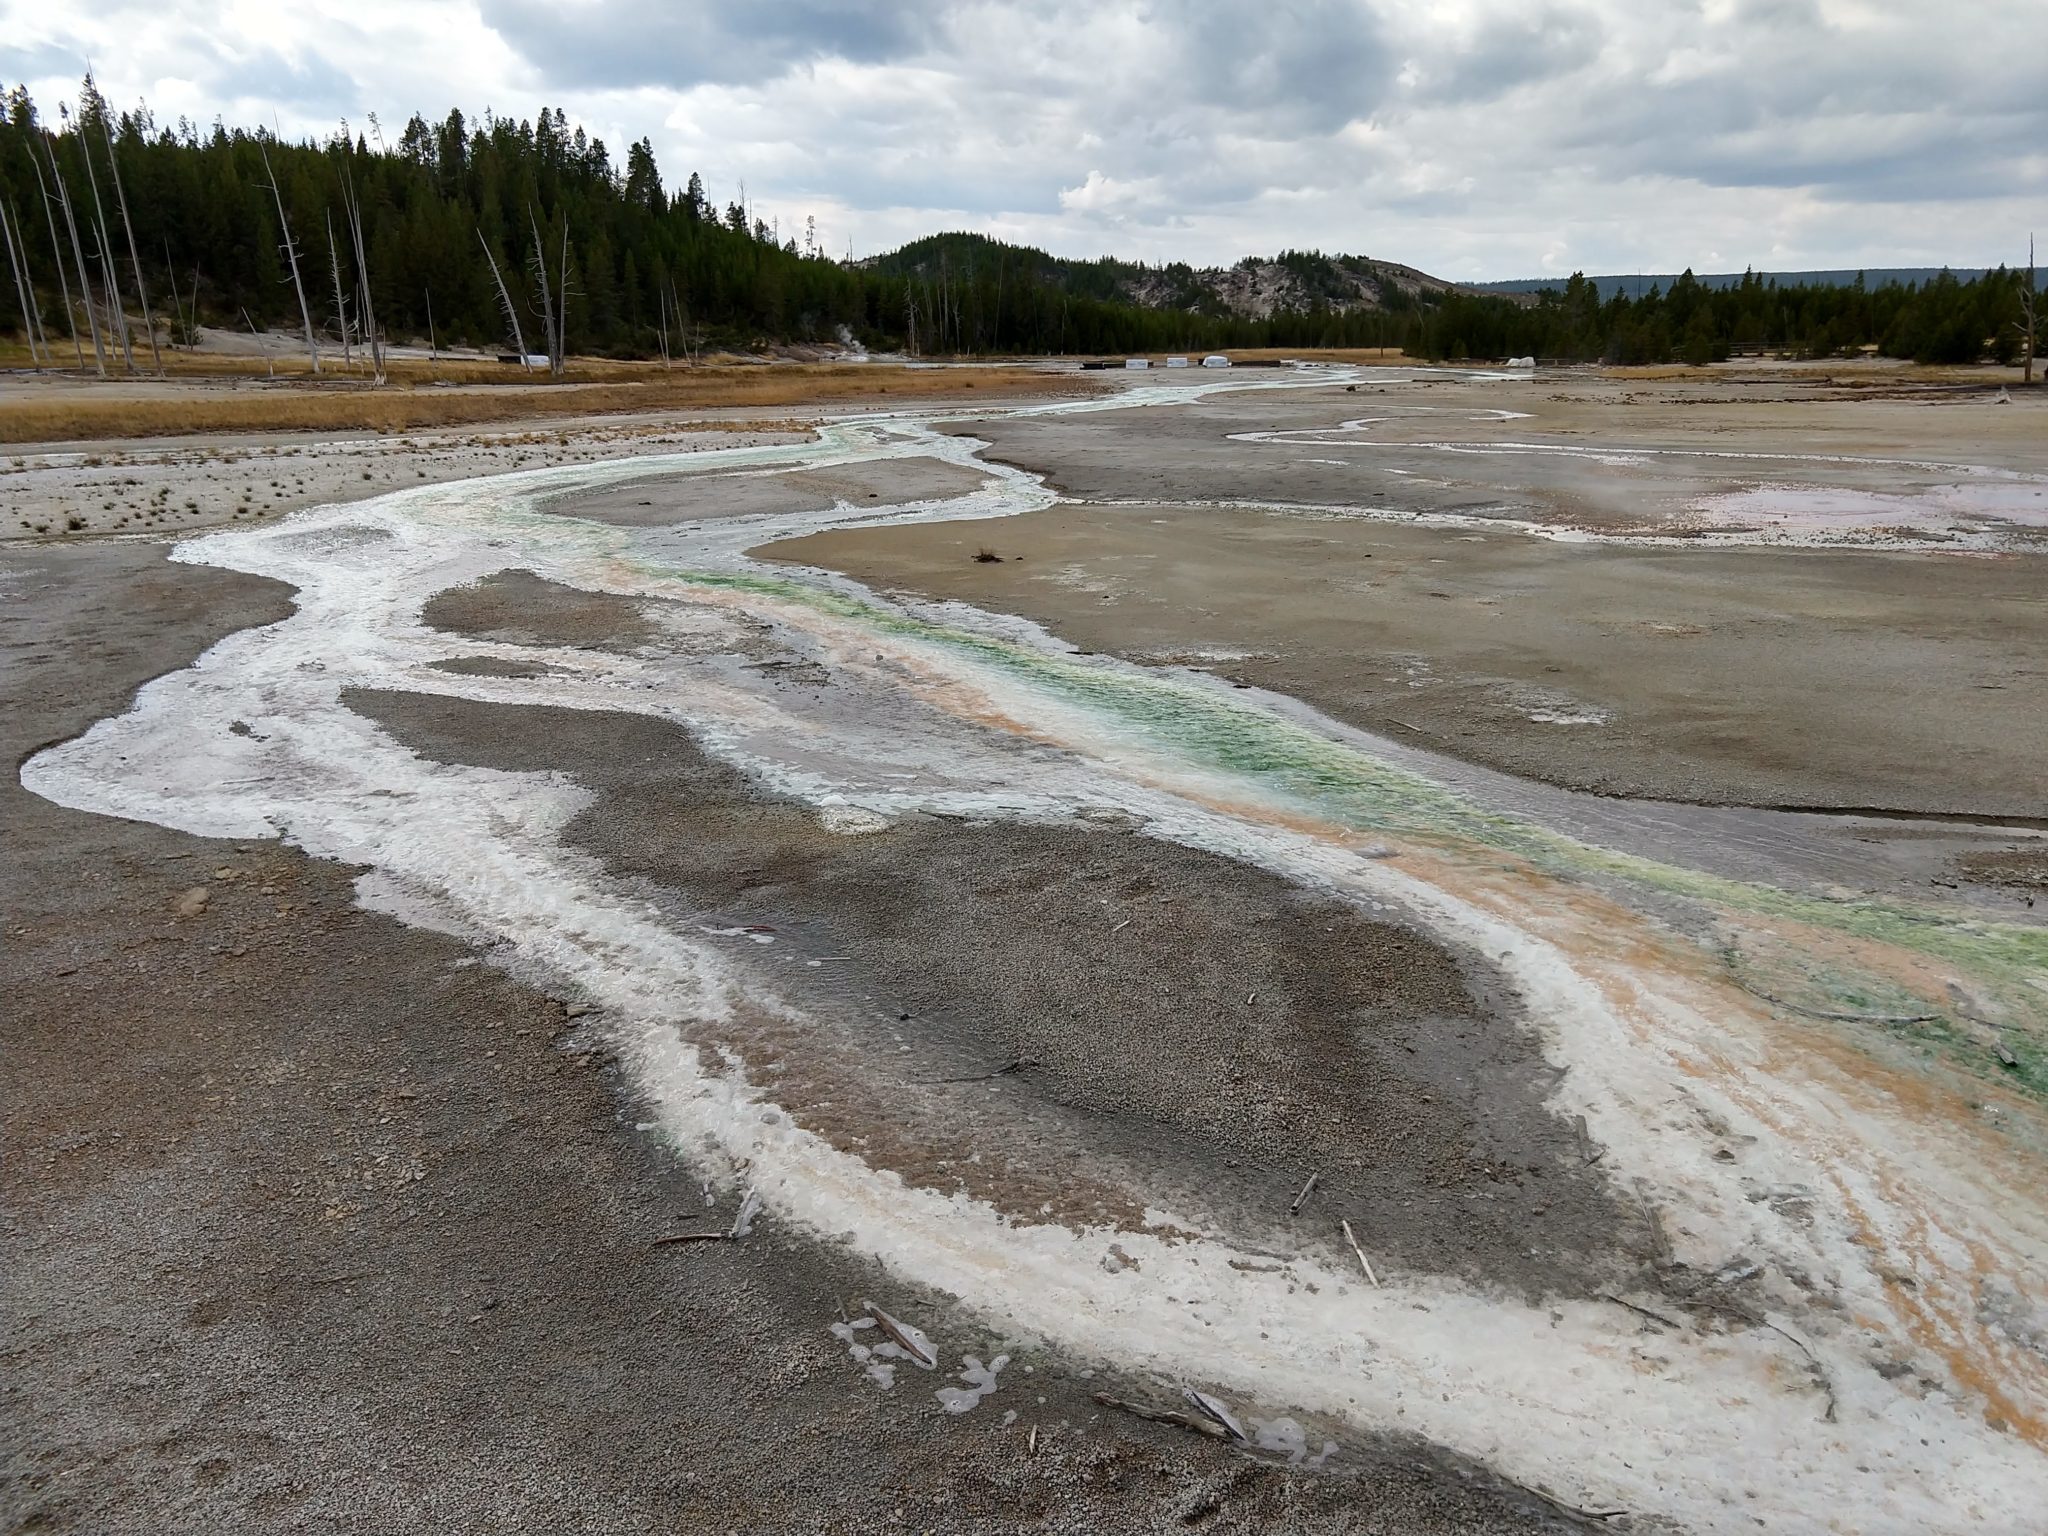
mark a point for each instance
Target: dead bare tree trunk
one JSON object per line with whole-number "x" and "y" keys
{"x": 110, "y": 274}
{"x": 291, "y": 253}
{"x": 505, "y": 295}
{"x": 2028, "y": 303}
{"x": 562, "y": 310}
{"x": 340, "y": 298}
{"x": 28, "y": 279}
{"x": 177, "y": 299}
{"x": 15, "y": 264}
{"x": 365, "y": 306}
{"x": 661, "y": 296}
{"x": 433, "y": 347}
{"x": 547, "y": 299}
{"x": 134, "y": 258}
{"x": 99, "y": 351}
{"x": 57, "y": 249}
{"x": 269, "y": 367}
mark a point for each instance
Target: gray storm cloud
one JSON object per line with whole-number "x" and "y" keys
{"x": 1478, "y": 137}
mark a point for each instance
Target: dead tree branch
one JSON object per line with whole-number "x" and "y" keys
{"x": 99, "y": 351}
{"x": 291, "y": 253}
{"x": 134, "y": 256}
{"x": 505, "y": 296}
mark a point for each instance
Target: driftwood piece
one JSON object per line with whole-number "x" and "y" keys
{"x": 1214, "y": 1411}
{"x": 1655, "y": 1317}
{"x": 1021, "y": 1064}
{"x": 1200, "y": 1426}
{"x": 902, "y": 1336}
{"x": 1363, "y": 1261}
{"x": 1306, "y": 1190}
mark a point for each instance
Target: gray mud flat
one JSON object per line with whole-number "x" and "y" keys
{"x": 314, "y": 1223}
{"x": 1778, "y": 678}
{"x": 520, "y": 608}
{"x": 1050, "y": 1016}
{"x": 657, "y": 503}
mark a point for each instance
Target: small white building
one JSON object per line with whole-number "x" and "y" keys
{"x": 1176, "y": 362}
{"x": 1215, "y": 360}
{"x": 1137, "y": 362}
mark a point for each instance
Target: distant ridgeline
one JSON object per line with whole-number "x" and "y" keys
{"x": 461, "y": 222}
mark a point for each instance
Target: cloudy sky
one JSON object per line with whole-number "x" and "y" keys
{"x": 1472, "y": 138}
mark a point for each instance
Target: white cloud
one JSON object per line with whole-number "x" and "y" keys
{"x": 1469, "y": 137}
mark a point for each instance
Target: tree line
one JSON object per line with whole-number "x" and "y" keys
{"x": 1943, "y": 320}
{"x": 526, "y": 235}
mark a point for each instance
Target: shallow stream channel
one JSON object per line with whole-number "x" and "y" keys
{"x": 1766, "y": 1230}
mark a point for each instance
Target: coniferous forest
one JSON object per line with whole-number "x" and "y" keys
{"x": 502, "y": 233}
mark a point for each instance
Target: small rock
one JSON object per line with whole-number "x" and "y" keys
{"x": 576, "y": 1010}
{"x": 193, "y": 902}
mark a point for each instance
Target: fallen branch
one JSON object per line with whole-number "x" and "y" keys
{"x": 1212, "y": 1410}
{"x": 691, "y": 1237}
{"x": 1306, "y": 1190}
{"x": 1362, "y": 1259}
{"x": 1655, "y": 1317}
{"x": 1165, "y": 1416}
{"x": 1813, "y": 1360}
{"x": 1572, "y": 1511}
{"x": 1022, "y": 1063}
{"x": 902, "y": 1336}
{"x": 1755, "y": 1319}
{"x": 1833, "y": 1017}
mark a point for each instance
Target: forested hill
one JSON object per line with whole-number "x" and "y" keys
{"x": 454, "y": 218}
{"x": 1256, "y": 288}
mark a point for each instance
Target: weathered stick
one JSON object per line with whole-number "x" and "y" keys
{"x": 901, "y": 1336}
{"x": 1306, "y": 1190}
{"x": 1655, "y": 1317}
{"x": 1362, "y": 1259}
{"x": 1022, "y": 1063}
{"x": 1165, "y": 1416}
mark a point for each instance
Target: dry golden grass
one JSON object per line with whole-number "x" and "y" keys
{"x": 149, "y": 408}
